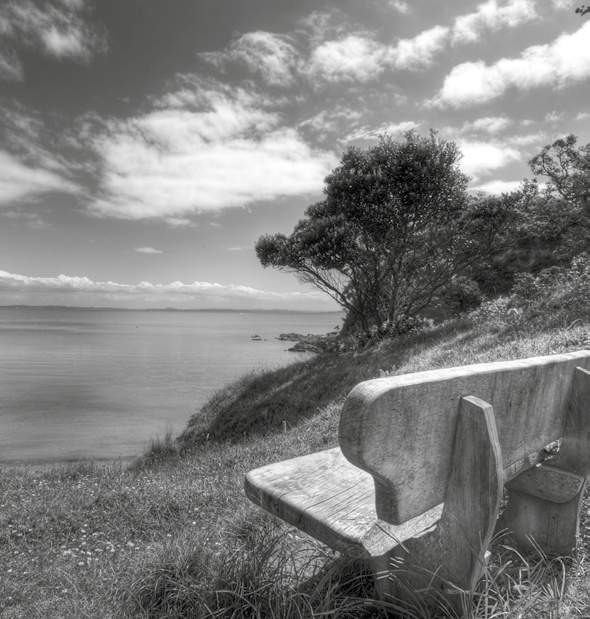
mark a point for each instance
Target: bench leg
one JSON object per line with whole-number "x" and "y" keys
{"x": 456, "y": 549}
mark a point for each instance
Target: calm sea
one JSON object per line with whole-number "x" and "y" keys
{"x": 100, "y": 383}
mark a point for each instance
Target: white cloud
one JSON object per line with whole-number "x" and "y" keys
{"x": 220, "y": 151}
{"x": 400, "y": 5}
{"x": 480, "y": 158}
{"x": 489, "y": 124}
{"x": 420, "y": 51}
{"x": 554, "y": 116}
{"x": 557, "y": 64}
{"x": 11, "y": 68}
{"x": 582, "y": 116}
{"x": 359, "y": 58}
{"x": 148, "y": 250}
{"x": 331, "y": 122}
{"x": 563, "y": 5}
{"x": 273, "y": 57}
{"x": 19, "y": 181}
{"x": 498, "y": 187}
{"x": 56, "y": 28}
{"x": 540, "y": 137}
{"x": 394, "y": 129}
{"x": 72, "y": 290}
{"x": 352, "y": 58}
{"x": 492, "y": 15}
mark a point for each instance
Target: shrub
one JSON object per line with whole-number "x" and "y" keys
{"x": 556, "y": 297}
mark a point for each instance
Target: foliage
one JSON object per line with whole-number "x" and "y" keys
{"x": 557, "y": 296}
{"x": 568, "y": 169}
{"x": 582, "y": 10}
{"x": 462, "y": 295}
{"x": 534, "y": 228}
{"x": 386, "y": 238}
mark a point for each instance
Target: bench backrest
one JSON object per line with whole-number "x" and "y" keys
{"x": 401, "y": 429}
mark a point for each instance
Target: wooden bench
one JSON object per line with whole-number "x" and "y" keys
{"x": 424, "y": 458}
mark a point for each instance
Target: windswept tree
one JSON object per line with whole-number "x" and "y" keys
{"x": 388, "y": 235}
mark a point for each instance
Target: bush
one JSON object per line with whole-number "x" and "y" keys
{"x": 556, "y": 297}
{"x": 462, "y": 295}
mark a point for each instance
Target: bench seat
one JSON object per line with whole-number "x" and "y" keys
{"x": 332, "y": 500}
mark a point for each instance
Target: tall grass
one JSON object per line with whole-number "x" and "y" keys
{"x": 174, "y": 536}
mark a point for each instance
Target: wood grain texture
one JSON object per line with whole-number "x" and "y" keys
{"x": 455, "y": 550}
{"x": 548, "y": 482}
{"x": 330, "y": 499}
{"x": 400, "y": 429}
{"x": 548, "y": 510}
{"x": 574, "y": 453}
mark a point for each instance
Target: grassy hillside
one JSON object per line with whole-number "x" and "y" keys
{"x": 174, "y": 536}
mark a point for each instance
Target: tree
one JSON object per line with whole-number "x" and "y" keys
{"x": 582, "y": 10}
{"x": 387, "y": 237}
{"x": 568, "y": 169}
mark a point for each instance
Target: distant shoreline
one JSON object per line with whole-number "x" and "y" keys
{"x": 168, "y": 309}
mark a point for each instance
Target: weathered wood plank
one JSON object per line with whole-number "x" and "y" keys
{"x": 549, "y": 483}
{"x": 545, "y": 510}
{"x": 455, "y": 549}
{"x": 574, "y": 453}
{"x": 400, "y": 429}
{"x": 553, "y": 526}
{"x": 330, "y": 499}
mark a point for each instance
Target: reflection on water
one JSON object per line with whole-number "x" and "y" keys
{"x": 101, "y": 383}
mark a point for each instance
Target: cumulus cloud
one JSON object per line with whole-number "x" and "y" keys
{"x": 481, "y": 158}
{"x": 497, "y": 187}
{"x": 492, "y": 15}
{"x": 563, "y": 5}
{"x": 564, "y": 61}
{"x": 82, "y": 291}
{"x": 215, "y": 149}
{"x": 419, "y": 51}
{"x": 56, "y": 28}
{"x": 400, "y": 5}
{"x": 352, "y": 58}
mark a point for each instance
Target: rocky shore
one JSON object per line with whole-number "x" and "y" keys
{"x": 309, "y": 342}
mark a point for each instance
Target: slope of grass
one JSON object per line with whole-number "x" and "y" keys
{"x": 174, "y": 536}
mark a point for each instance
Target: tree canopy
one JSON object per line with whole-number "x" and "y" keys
{"x": 387, "y": 237}
{"x": 568, "y": 169}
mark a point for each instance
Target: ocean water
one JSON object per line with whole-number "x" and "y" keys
{"x": 100, "y": 383}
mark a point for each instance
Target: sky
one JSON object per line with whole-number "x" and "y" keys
{"x": 145, "y": 145}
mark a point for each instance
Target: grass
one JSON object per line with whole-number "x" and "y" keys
{"x": 174, "y": 536}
